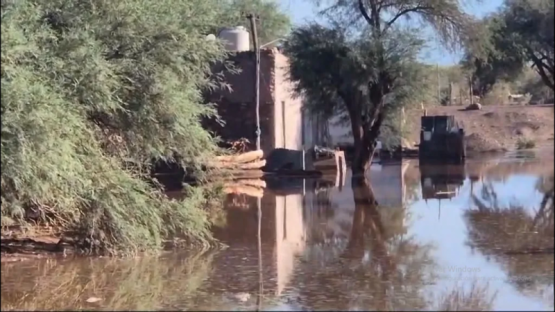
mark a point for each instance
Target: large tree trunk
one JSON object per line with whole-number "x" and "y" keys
{"x": 365, "y": 138}
{"x": 368, "y": 228}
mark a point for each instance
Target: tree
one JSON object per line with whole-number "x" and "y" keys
{"x": 521, "y": 33}
{"x": 337, "y": 75}
{"x": 529, "y": 23}
{"x": 492, "y": 58}
{"x": 90, "y": 86}
{"x": 380, "y": 20}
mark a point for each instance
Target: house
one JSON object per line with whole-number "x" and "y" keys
{"x": 280, "y": 110}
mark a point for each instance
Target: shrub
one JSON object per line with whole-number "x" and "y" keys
{"x": 525, "y": 143}
{"x": 89, "y": 85}
{"x": 499, "y": 95}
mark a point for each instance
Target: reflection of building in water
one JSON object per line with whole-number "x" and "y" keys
{"x": 441, "y": 182}
{"x": 282, "y": 240}
{"x": 289, "y": 218}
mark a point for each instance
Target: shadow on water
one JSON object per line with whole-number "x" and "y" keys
{"x": 374, "y": 244}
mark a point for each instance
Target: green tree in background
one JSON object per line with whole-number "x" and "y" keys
{"x": 494, "y": 59}
{"x": 379, "y": 21}
{"x": 333, "y": 72}
{"x": 519, "y": 35}
{"x": 530, "y": 23}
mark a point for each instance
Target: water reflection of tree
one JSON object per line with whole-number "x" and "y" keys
{"x": 518, "y": 239}
{"x": 377, "y": 269}
{"x": 147, "y": 283}
{"x": 321, "y": 210}
{"x": 476, "y": 298}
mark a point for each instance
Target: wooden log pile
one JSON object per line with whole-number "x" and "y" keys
{"x": 244, "y": 161}
{"x": 242, "y": 173}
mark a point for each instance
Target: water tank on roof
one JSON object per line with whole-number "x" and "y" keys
{"x": 236, "y": 39}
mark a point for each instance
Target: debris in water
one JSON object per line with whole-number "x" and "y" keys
{"x": 93, "y": 299}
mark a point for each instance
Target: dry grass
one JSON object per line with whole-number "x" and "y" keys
{"x": 525, "y": 143}
{"x": 477, "y": 298}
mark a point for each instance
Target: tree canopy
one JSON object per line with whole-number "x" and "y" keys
{"x": 446, "y": 17}
{"x": 334, "y": 73}
{"x": 494, "y": 60}
{"x": 530, "y": 23}
{"x": 372, "y": 67}
{"x": 518, "y": 35}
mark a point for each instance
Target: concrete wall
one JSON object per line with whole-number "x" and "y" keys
{"x": 280, "y": 111}
{"x": 289, "y": 107}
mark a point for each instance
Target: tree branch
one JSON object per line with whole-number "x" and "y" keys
{"x": 541, "y": 69}
{"x": 364, "y": 13}
{"x": 418, "y": 8}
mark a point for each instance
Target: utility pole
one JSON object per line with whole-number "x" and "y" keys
{"x": 252, "y": 18}
{"x": 438, "y": 86}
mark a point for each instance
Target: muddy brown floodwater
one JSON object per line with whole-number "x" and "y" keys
{"x": 478, "y": 236}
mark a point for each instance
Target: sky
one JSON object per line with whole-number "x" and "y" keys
{"x": 302, "y": 11}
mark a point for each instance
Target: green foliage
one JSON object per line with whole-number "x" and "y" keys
{"x": 87, "y": 86}
{"x": 367, "y": 74}
{"x": 493, "y": 59}
{"x": 335, "y": 72}
{"x": 530, "y": 23}
{"x": 520, "y": 33}
{"x": 272, "y": 23}
{"x": 530, "y": 82}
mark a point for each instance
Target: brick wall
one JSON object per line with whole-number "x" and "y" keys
{"x": 238, "y": 110}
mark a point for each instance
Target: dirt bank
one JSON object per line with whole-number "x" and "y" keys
{"x": 25, "y": 247}
{"x": 496, "y": 128}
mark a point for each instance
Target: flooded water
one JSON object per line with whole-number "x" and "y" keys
{"x": 478, "y": 236}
